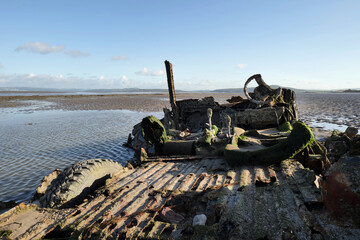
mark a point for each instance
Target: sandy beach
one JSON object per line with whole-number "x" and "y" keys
{"x": 341, "y": 109}
{"x": 136, "y": 102}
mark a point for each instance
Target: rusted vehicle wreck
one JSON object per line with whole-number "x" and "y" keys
{"x": 243, "y": 170}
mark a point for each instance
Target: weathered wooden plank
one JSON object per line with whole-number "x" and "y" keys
{"x": 170, "y": 80}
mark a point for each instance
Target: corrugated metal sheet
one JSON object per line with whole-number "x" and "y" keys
{"x": 250, "y": 202}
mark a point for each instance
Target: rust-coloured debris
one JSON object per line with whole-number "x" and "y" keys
{"x": 342, "y": 191}
{"x": 247, "y": 202}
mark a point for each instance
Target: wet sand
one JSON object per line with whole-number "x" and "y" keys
{"x": 342, "y": 109}
{"x": 136, "y": 102}
{"x": 334, "y": 108}
{"x": 33, "y": 143}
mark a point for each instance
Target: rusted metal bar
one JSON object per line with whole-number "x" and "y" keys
{"x": 170, "y": 80}
{"x": 172, "y": 158}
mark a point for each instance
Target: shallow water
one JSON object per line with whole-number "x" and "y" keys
{"x": 34, "y": 142}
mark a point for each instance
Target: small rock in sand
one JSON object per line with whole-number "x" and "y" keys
{"x": 199, "y": 220}
{"x": 168, "y": 215}
{"x": 351, "y": 132}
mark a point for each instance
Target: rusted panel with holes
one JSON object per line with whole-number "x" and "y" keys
{"x": 246, "y": 202}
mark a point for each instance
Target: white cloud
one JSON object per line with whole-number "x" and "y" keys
{"x": 83, "y": 81}
{"x": 46, "y": 48}
{"x": 157, "y": 73}
{"x": 1, "y": 66}
{"x": 143, "y": 71}
{"x": 40, "y": 47}
{"x": 77, "y": 53}
{"x": 146, "y": 72}
{"x": 121, "y": 82}
{"x": 241, "y": 65}
{"x": 118, "y": 58}
{"x": 37, "y": 80}
{"x": 125, "y": 80}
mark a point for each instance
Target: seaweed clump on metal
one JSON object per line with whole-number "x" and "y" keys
{"x": 300, "y": 137}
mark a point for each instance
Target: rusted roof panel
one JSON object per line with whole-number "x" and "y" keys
{"x": 249, "y": 202}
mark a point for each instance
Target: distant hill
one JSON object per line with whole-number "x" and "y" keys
{"x": 130, "y": 90}
{"x": 351, "y": 91}
{"x": 157, "y": 90}
{"x": 241, "y": 90}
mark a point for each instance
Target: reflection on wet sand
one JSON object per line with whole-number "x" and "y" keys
{"x": 32, "y": 145}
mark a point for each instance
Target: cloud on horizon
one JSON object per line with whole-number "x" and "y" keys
{"x": 77, "y": 53}
{"x": 121, "y": 82}
{"x": 34, "y": 80}
{"x": 119, "y": 58}
{"x": 40, "y": 47}
{"x": 68, "y": 81}
{"x": 62, "y": 81}
{"x": 125, "y": 80}
{"x": 241, "y": 65}
{"x": 146, "y": 72}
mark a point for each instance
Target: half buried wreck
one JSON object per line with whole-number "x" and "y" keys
{"x": 243, "y": 170}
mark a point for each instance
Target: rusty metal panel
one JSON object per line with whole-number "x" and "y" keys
{"x": 259, "y": 118}
{"x": 246, "y": 202}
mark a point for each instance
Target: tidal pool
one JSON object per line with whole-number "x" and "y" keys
{"x": 33, "y": 143}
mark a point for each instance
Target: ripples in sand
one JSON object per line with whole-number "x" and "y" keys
{"x": 35, "y": 143}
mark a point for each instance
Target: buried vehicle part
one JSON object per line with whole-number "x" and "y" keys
{"x": 263, "y": 92}
{"x": 78, "y": 181}
{"x": 300, "y": 137}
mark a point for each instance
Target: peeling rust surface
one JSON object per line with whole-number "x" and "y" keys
{"x": 248, "y": 202}
{"x": 341, "y": 191}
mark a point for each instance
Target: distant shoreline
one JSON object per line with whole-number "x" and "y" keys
{"x": 144, "y": 102}
{"x": 43, "y": 91}
{"x": 351, "y": 91}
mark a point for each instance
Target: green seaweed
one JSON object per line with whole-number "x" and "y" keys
{"x": 5, "y": 234}
{"x": 237, "y": 140}
{"x": 279, "y": 99}
{"x": 285, "y": 127}
{"x": 336, "y": 133}
{"x": 214, "y": 127}
{"x": 300, "y": 137}
{"x": 153, "y": 130}
{"x": 242, "y": 137}
{"x": 209, "y": 135}
{"x": 335, "y": 136}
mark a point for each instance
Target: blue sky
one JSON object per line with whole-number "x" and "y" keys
{"x": 212, "y": 44}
